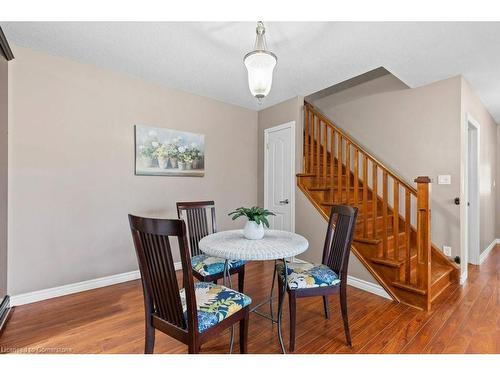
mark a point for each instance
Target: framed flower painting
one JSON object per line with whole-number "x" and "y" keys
{"x": 168, "y": 152}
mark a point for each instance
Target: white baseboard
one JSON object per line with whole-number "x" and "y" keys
{"x": 487, "y": 251}
{"x": 40, "y": 295}
{"x": 367, "y": 286}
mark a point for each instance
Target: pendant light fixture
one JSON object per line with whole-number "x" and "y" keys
{"x": 260, "y": 64}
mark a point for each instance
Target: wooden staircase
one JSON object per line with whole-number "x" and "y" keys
{"x": 392, "y": 237}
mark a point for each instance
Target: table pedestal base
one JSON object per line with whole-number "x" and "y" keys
{"x": 228, "y": 283}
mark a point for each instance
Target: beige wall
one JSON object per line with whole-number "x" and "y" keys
{"x": 416, "y": 133}
{"x": 498, "y": 189}
{"x": 3, "y": 173}
{"x": 289, "y": 110}
{"x": 472, "y": 105}
{"x": 72, "y": 179}
{"x": 308, "y": 221}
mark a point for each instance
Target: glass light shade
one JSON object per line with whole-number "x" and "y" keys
{"x": 260, "y": 66}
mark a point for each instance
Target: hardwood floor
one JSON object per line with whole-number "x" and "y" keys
{"x": 464, "y": 319}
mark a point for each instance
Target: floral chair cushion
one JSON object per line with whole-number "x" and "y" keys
{"x": 307, "y": 275}
{"x": 207, "y": 265}
{"x": 215, "y": 303}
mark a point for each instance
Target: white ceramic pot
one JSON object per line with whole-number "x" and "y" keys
{"x": 173, "y": 162}
{"x": 163, "y": 163}
{"x": 253, "y": 231}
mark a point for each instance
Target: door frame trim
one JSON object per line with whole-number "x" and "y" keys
{"x": 464, "y": 192}
{"x": 291, "y": 125}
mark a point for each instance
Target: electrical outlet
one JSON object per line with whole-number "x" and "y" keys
{"x": 447, "y": 250}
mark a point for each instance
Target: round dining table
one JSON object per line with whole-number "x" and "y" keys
{"x": 276, "y": 245}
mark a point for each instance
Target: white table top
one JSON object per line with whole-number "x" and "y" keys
{"x": 276, "y": 244}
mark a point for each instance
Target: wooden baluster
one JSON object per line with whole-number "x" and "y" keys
{"x": 306, "y": 140}
{"x": 424, "y": 237}
{"x": 347, "y": 170}
{"x": 365, "y": 195}
{"x": 318, "y": 149}
{"x": 311, "y": 145}
{"x": 356, "y": 177}
{"x": 332, "y": 158}
{"x": 325, "y": 149}
{"x": 374, "y": 198}
{"x": 407, "y": 235}
{"x": 395, "y": 218}
{"x": 384, "y": 213}
{"x": 339, "y": 167}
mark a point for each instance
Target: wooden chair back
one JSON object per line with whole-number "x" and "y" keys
{"x": 156, "y": 264}
{"x": 200, "y": 220}
{"x": 339, "y": 238}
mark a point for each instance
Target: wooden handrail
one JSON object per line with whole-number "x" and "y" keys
{"x": 390, "y": 172}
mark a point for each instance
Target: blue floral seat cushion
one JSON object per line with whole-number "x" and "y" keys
{"x": 207, "y": 265}
{"x": 307, "y": 275}
{"x": 215, "y": 303}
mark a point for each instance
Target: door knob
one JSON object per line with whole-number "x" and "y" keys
{"x": 286, "y": 201}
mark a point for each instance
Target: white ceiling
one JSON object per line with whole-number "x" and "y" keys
{"x": 206, "y": 58}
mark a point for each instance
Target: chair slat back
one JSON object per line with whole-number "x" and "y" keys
{"x": 200, "y": 220}
{"x": 156, "y": 264}
{"x": 339, "y": 238}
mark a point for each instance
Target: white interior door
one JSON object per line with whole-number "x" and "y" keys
{"x": 473, "y": 194}
{"x": 279, "y": 172}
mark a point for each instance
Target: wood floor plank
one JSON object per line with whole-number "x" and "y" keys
{"x": 465, "y": 319}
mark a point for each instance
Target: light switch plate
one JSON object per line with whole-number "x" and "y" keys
{"x": 447, "y": 250}
{"x": 444, "y": 179}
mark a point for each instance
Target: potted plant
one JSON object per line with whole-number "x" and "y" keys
{"x": 257, "y": 218}
{"x": 181, "y": 164}
{"x": 147, "y": 153}
{"x": 161, "y": 154}
{"x": 188, "y": 160}
{"x": 196, "y": 158}
{"x": 172, "y": 153}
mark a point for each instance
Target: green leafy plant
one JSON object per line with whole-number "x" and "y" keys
{"x": 172, "y": 150}
{"x": 161, "y": 152}
{"x": 257, "y": 214}
{"x": 148, "y": 149}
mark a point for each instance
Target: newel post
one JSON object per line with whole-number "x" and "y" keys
{"x": 424, "y": 236}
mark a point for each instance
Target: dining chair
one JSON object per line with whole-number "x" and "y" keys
{"x": 197, "y": 312}
{"x": 330, "y": 277}
{"x": 200, "y": 219}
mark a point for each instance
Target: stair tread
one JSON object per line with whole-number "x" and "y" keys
{"x": 409, "y": 287}
{"x": 438, "y": 271}
{"x": 388, "y": 262}
{"x": 333, "y": 187}
{"x": 326, "y": 203}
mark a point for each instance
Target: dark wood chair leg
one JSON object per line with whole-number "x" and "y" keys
{"x": 326, "y": 307}
{"x": 343, "y": 309}
{"x": 293, "y": 313}
{"x": 241, "y": 279}
{"x": 193, "y": 348}
{"x": 150, "y": 337}
{"x": 244, "y": 333}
